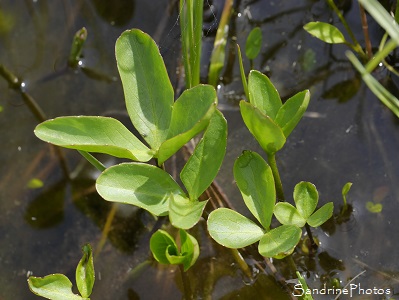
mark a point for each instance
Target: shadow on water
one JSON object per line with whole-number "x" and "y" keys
{"x": 346, "y": 135}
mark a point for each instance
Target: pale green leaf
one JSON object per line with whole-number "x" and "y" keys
{"x": 256, "y": 183}
{"x": 93, "y": 134}
{"x": 184, "y": 213}
{"x": 55, "y": 287}
{"x": 321, "y": 215}
{"x": 85, "y": 272}
{"x": 231, "y": 229}
{"x": 326, "y": 32}
{"x": 206, "y": 160}
{"x": 142, "y": 185}
{"x": 306, "y": 198}
{"x": 280, "y": 242}
{"x": 189, "y": 249}
{"x": 263, "y": 94}
{"x": 162, "y": 245}
{"x": 263, "y": 128}
{"x": 253, "y": 43}
{"x": 148, "y": 92}
{"x": 287, "y": 214}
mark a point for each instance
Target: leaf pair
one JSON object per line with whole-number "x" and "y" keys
{"x": 59, "y": 287}
{"x": 267, "y": 118}
{"x": 306, "y": 198}
{"x": 230, "y": 229}
{"x": 165, "y": 250}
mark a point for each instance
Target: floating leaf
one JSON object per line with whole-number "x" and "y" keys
{"x": 184, "y": 213}
{"x": 256, "y": 183}
{"x": 280, "y": 242}
{"x": 35, "y": 183}
{"x": 148, "y": 92}
{"x": 85, "y": 272}
{"x": 374, "y": 207}
{"x": 263, "y": 128}
{"x": 306, "y": 198}
{"x": 253, "y": 43}
{"x": 326, "y": 32}
{"x": 288, "y": 215}
{"x": 143, "y": 185}
{"x": 321, "y": 215}
{"x": 263, "y": 94}
{"x": 231, "y": 229}
{"x": 55, "y": 287}
{"x": 93, "y": 134}
{"x": 206, "y": 160}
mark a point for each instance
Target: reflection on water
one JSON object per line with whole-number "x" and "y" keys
{"x": 347, "y": 135}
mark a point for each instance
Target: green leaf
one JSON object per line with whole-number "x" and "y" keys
{"x": 253, "y": 43}
{"x": 93, "y": 134}
{"x": 148, "y": 92}
{"x": 189, "y": 249}
{"x": 326, "y": 32}
{"x": 287, "y": 214}
{"x": 266, "y": 132}
{"x": 191, "y": 114}
{"x": 162, "y": 245}
{"x": 306, "y": 198}
{"x": 262, "y": 94}
{"x": 231, "y": 229}
{"x": 374, "y": 207}
{"x": 184, "y": 213}
{"x": 292, "y": 111}
{"x": 321, "y": 215}
{"x": 255, "y": 180}
{"x": 206, "y": 160}
{"x": 85, "y": 272}
{"x": 143, "y": 185}
{"x": 346, "y": 188}
{"x": 55, "y": 287}
{"x": 280, "y": 242}
{"x": 35, "y": 183}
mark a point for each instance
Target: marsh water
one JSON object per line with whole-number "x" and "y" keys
{"x": 347, "y": 135}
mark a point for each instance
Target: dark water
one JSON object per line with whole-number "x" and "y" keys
{"x": 347, "y": 135}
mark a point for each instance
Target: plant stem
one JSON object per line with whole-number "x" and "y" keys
{"x": 186, "y": 284}
{"x": 242, "y": 72}
{"x": 242, "y": 263}
{"x": 365, "y": 27}
{"x": 276, "y": 175}
{"x": 94, "y": 161}
{"x": 313, "y": 244}
{"x": 380, "y": 56}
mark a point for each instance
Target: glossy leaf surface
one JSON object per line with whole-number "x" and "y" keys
{"x": 189, "y": 248}
{"x": 326, "y": 32}
{"x": 321, "y": 215}
{"x": 148, "y": 92}
{"x": 280, "y": 242}
{"x": 288, "y": 215}
{"x": 93, "y": 134}
{"x": 231, "y": 229}
{"x": 85, "y": 272}
{"x": 206, "y": 160}
{"x": 184, "y": 213}
{"x": 143, "y": 185}
{"x": 253, "y": 43}
{"x": 55, "y": 286}
{"x": 256, "y": 183}
{"x": 263, "y": 128}
{"x": 306, "y": 198}
{"x": 162, "y": 243}
{"x": 262, "y": 94}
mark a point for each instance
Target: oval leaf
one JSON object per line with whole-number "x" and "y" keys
{"x": 232, "y": 230}
{"x": 206, "y": 160}
{"x": 288, "y": 215}
{"x": 85, "y": 272}
{"x": 143, "y": 185}
{"x": 306, "y": 198}
{"x": 321, "y": 215}
{"x": 55, "y": 286}
{"x": 326, "y": 32}
{"x": 256, "y": 183}
{"x": 93, "y": 134}
{"x": 191, "y": 114}
{"x": 263, "y": 94}
{"x": 266, "y": 132}
{"x": 148, "y": 92}
{"x": 184, "y": 213}
{"x": 280, "y": 242}
{"x": 292, "y": 111}
{"x": 163, "y": 245}
{"x": 253, "y": 43}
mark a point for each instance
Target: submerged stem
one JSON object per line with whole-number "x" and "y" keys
{"x": 186, "y": 284}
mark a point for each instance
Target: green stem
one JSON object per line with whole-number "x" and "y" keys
{"x": 380, "y": 56}
{"x": 242, "y": 263}
{"x": 313, "y": 244}
{"x": 186, "y": 284}
{"x": 242, "y": 72}
{"x": 276, "y": 175}
{"x": 94, "y": 161}
{"x": 397, "y": 12}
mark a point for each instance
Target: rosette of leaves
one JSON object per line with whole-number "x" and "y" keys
{"x": 267, "y": 118}
{"x": 229, "y": 228}
{"x": 59, "y": 287}
{"x": 164, "y": 124}
{"x": 306, "y": 199}
{"x": 165, "y": 250}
